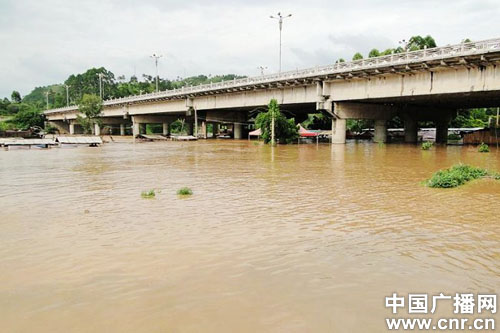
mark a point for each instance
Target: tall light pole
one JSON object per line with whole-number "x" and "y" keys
{"x": 262, "y": 68}
{"x": 100, "y": 75}
{"x": 156, "y": 57}
{"x": 67, "y": 94}
{"x": 280, "y": 18}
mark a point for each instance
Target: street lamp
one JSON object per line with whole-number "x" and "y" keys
{"x": 156, "y": 57}
{"x": 280, "y": 18}
{"x": 262, "y": 68}
{"x": 67, "y": 94}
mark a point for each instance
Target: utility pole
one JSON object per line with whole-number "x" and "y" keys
{"x": 100, "y": 75}
{"x": 280, "y": 18}
{"x": 67, "y": 94}
{"x": 47, "y": 98}
{"x": 156, "y": 57}
{"x": 262, "y": 68}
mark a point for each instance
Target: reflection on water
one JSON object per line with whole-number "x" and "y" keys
{"x": 290, "y": 239}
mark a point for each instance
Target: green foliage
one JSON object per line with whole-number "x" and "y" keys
{"x": 185, "y": 191}
{"x": 285, "y": 129}
{"x": 5, "y": 125}
{"x": 419, "y": 43}
{"x": 357, "y": 56}
{"x": 357, "y": 125}
{"x": 454, "y": 136}
{"x": 148, "y": 194}
{"x": 27, "y": 118}
{"x": 473, "y": 117}
{"x": 426, "y": 145}
{"x": 90, "y": 106}
{"x": 340, "y": 60}
{"x": 483, "y": 148}
{"x": 15, "y": 97}
{"x": 317, "y": 121}
{"x": 455, "y": 176}
{"x": 374, "y": 53}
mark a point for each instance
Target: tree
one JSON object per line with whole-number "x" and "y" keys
{"x": 357, "y": 56}
{"x": 419, "y": 43}
{"x": 285, "y": 129}
{"x": 340, "y": 60}
{"x": 27, "y": 117}
{"x": 374, "y": 53}
{"x": 15, "y": 97}
{"x": 91, "y": 107}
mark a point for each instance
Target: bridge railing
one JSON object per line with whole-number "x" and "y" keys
{"x": 437, "y": 53}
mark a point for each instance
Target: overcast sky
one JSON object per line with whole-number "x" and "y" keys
{"x": 44, "y": 41}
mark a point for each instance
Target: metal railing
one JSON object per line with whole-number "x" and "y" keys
{"x": 437, "y": 53}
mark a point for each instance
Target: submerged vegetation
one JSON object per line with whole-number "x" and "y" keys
{"x": 426, "y": 145}
{"x": 285, "y": 129}
{"x": 457, "y": 175}
{"x": 483, "y": 148}
{"x": 148, "y": 194}
{"x": 185, "y": 191}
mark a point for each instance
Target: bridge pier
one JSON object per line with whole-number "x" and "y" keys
{"x": 215, "y": 130}
{"x": 411, "y": 129}
{"x": 442, "y": 128}
{"x": 204, "y": 129}
{"x": 71, "y": 128}
{"x": 189, "y": 128}
{"x": 238, "y": 131}
{"x": 339, "y": 127}
{"x": 122, "y": 129}
{"x": 380, "y": 135}
{"x": 166, "y": 129}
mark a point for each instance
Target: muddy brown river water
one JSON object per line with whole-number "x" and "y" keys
{"x": 289, "y": 239}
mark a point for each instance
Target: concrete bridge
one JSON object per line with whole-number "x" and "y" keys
{"x": 429, "y": 84}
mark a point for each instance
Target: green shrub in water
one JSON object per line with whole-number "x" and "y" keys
{"x": 455, "y": 176}
{"x": 185, "y": 191}
{"x": 426, "y": 145}
{"x": 454, "y": 137}
{"x": 148, "y": 194}
{"x": 483, "y": 148}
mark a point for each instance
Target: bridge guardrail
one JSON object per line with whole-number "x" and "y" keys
{"x": 437, "y": 53}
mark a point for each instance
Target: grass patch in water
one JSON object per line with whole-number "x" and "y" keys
{"x": 148, "y": 194}
{"x": 426, "y": 145}
{"x": 457, "y": 175}
{"x": 185, "y": 191}
{"x": 483, "y": 148}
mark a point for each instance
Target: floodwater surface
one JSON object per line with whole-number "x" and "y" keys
{"x": 307, "y": 238}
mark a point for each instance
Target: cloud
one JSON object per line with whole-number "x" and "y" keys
{"x": 43, "y": 42}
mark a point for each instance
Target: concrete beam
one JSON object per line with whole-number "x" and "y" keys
{"x": 353, "y": 110}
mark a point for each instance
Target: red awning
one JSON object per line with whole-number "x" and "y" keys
{"x": 305, "y": 133}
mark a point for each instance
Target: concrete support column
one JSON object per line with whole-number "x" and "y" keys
{"x": 142, "y": 128}
{"x": 71, "y": 128}
{"x": 442, "y": 130}
{"x": 339, "y": 127}
{"x": 189, "y": 128}
{"x": 135, "y": 129}
{"x": 166, "y": 128}
{"x": 380, "y": 131}
{"x": 238, "y": 131}
{"x": 97, "y": 129}
{"x": 204, "y": 129}
{"x": 215, "y": 130}
{"x": 411, "y": 129}
{"x": 122, "y": 129}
